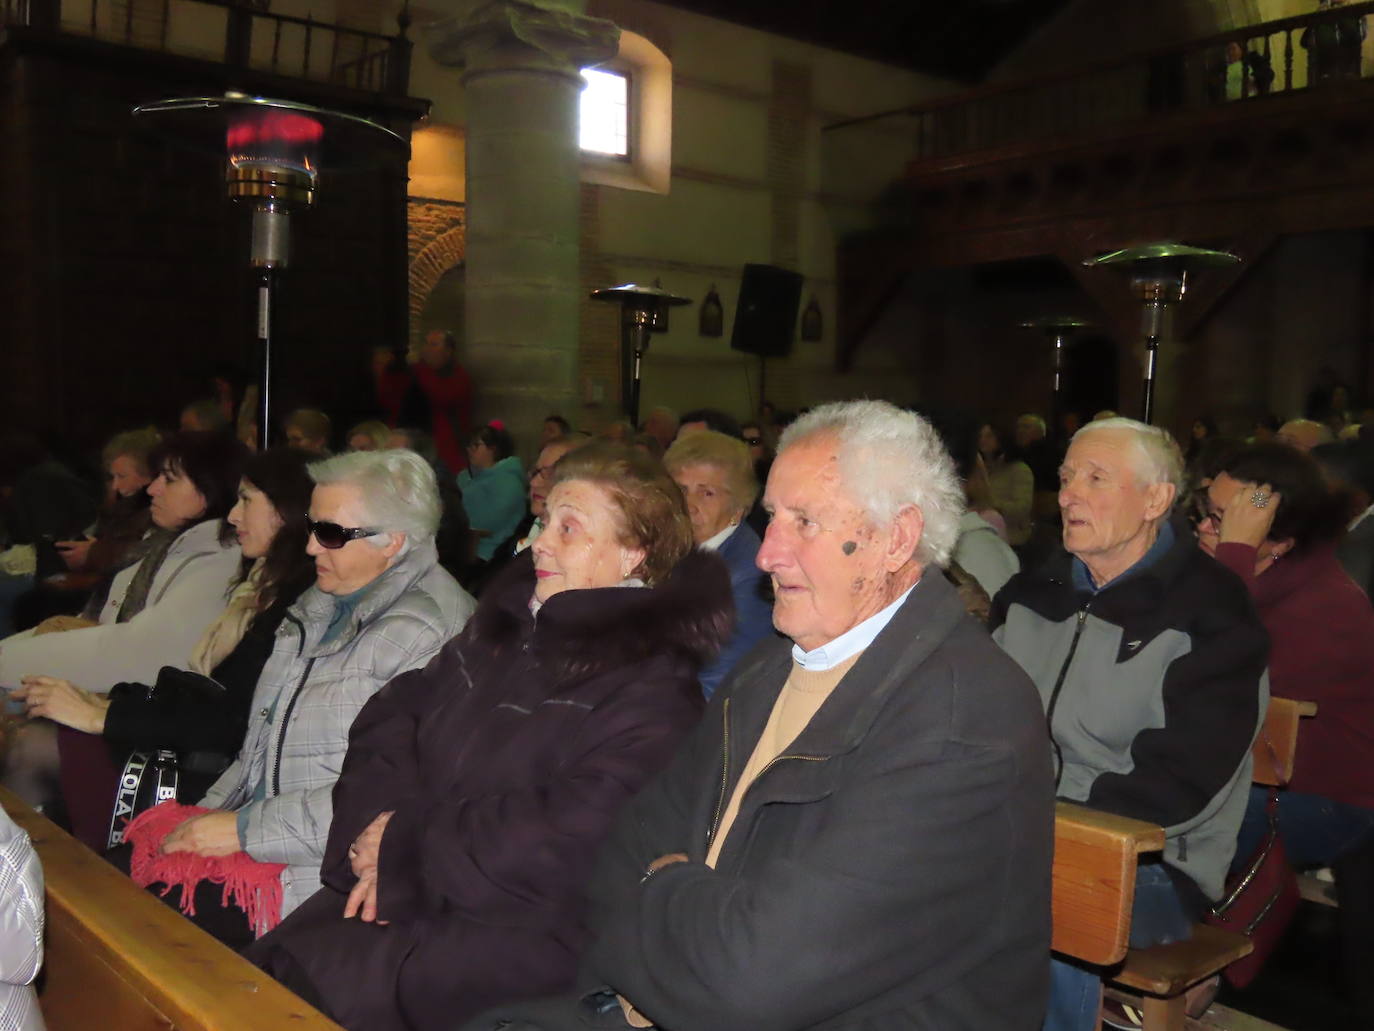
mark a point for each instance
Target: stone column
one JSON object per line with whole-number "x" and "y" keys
{"x": 521, "y": 65}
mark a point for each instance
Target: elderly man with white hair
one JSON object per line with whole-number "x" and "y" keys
{"x": 1150, "y": 662}
{"x": 859, "y": 833}
{"x": 380, "y": 605}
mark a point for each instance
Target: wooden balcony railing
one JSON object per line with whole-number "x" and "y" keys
{"x": 251, "y": 37}
{"x": 1308, "y": 52}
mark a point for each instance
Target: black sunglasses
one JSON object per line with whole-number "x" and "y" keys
{"x": 333, "y": 536}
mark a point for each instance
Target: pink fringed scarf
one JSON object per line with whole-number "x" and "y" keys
{"x": 249, "y": 885}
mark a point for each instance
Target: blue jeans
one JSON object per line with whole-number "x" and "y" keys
{"x": 1316, "y": 831}
{"x": 1158, "y": 916}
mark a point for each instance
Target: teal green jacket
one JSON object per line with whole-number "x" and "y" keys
{"x": 494, "y": 500}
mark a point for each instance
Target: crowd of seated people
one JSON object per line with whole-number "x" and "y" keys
{"x": 439, "y": 724}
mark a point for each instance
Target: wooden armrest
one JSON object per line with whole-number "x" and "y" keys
{"x": 1095, "y": 858}
{"x": 1275, "y": 750}
{"x": 117, "y": 958}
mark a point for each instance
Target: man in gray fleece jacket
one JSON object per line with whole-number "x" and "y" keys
{"x": 1150, "y": 661}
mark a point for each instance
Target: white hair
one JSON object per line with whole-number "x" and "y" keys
{"x": 399, "y": 491}
{"x": 1158, "y": 458}
{"x": 890, "y": 459}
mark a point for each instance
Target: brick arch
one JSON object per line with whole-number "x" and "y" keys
{"x": 447, "y": 250}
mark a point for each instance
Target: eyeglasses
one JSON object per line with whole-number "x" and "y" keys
{"x": 1204, "y": 519}
{"x": 333, "y": 536}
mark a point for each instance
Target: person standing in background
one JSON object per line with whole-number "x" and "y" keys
{"x": 448, "y": 389}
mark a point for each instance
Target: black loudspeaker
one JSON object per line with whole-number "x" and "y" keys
{"x": 766, "y": 316}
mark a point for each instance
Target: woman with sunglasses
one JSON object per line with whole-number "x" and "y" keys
{"x": 156, "y": 608}
{"x": 476, "y": 792}
{"x": 380, "y": 605}
{"x": 201, "y": 712}
{"x": 1268, "y": 515}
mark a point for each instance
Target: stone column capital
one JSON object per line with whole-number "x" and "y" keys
{"x": 520, "y": 35}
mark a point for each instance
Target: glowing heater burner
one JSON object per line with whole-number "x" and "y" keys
{"x": 275, "y": 150}
{"x": 273, "y": 163}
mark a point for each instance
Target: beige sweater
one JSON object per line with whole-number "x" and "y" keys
{"x": 799, "y": 700}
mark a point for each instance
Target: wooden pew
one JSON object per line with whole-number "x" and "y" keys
{"x": 1274, "y": 760}
{"x": 1158, "y": 977}
{"x": 118, "y": 959}
{"x": 1095, "y": 859}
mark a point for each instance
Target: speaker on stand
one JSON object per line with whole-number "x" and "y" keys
{"x": 766, "y": 315}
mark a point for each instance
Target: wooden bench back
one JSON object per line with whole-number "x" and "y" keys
{"x": 117, "y": 959}
{"x": 1276, "y": 745}
{"x": 1095, "y": 858}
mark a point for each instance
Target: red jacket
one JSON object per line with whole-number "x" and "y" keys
{"x": 1321, "y": 631}
{"x": 450, "y": 405}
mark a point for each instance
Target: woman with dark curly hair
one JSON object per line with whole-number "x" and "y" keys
{"x": 1269, "y": 516}
{"x": 201, "y": 712}
{"x": 476, "y": 791}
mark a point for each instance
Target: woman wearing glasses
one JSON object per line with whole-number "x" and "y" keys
{"x": 200, "y": 712}
{"x": 476, "y": 792}
{"x": 1268, "y": 516}
{"x": 380, "y": 605}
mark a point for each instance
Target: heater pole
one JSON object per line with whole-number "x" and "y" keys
{"x": 271, "y": 249}
{"x": 267, "y": 314}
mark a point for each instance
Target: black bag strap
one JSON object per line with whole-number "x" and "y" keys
{"x": 147, "y": 779}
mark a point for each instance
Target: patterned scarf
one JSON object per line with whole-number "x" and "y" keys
{"x": 156, "y": 545}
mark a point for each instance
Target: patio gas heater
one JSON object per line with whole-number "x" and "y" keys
{"x": 1158, "y": 275}
{"x": 643, "y": 310}
{"x": 274, "y": 150}
{"x": 1059, "y": 329}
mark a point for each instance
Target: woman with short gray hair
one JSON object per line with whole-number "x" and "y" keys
{"x": 381, "y": 605}
{"x": 398, "y": 489}
{"x": 716, "y": 475}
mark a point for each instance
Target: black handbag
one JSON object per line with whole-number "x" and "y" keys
{"x": 153, "y": 776}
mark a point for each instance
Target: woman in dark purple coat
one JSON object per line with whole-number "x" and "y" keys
{"x": 476, "y": 791}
